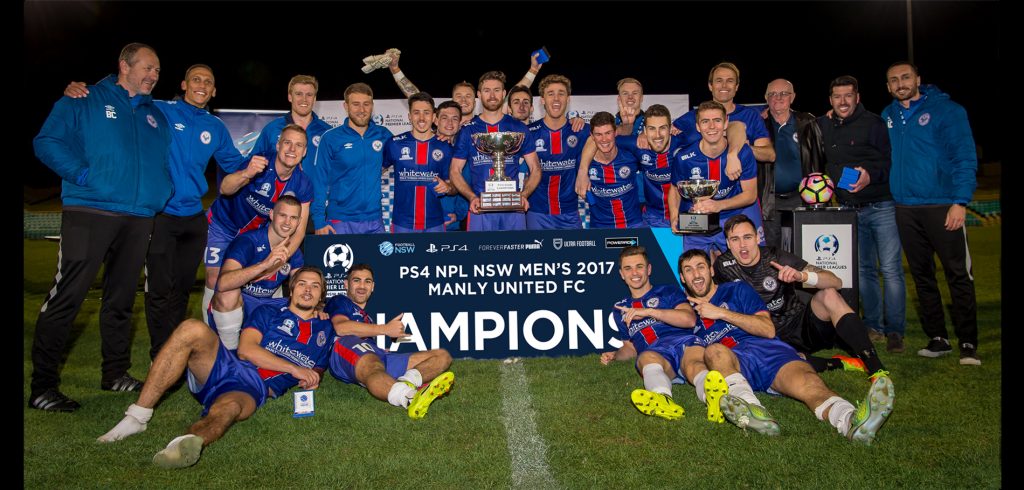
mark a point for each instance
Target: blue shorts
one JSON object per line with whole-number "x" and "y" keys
{"x": 672, "y": 349}
{"x": 496, "y": 221}
{"x": 217, "y": 241}
{"x": 541, "y": 221}
{"x": 349, "y": 349}
{"x": 654, "y": 218}
{"x": 761, "y": 359}
{"x": 401, "y": 229}
{"x": 228, "y": 374}
{"x": 708, "y": 243}
{"x": 357, "y": 227}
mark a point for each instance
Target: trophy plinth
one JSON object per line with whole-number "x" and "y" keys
{"x": 500, "y": 192}
{"x": 697, "y": 190}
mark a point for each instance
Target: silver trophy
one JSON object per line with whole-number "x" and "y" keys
{"x": 697, "y": 190}
{"x": 500, "y": 192}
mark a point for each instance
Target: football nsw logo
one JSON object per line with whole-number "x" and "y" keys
{"x": 826, "y": 244}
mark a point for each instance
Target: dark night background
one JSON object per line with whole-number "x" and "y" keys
{"x": 255, "y": 47}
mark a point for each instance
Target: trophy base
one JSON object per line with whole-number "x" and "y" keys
{"x": 697, "y": 224}
{"x": 501, "y": 202}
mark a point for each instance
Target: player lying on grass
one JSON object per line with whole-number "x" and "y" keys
{"x": 390, "y": 377}
{"x": 279, "y": 348}
{"x": 739, "y": 338}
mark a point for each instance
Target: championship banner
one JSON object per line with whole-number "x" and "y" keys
{"x": 489, "y": 295}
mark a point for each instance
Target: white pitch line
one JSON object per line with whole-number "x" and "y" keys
{"x": 526, "y": 448}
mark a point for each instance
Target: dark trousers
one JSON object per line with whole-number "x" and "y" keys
{"x": 175, "y": 251}
{"x": 89, "y": 240}
{"x": 773, "y": 223}
{"x": 923, "y": 234}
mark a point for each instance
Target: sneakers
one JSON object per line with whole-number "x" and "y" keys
{"x": 747, "y": 416}
{"x": 872, "y": 412}
{"x": 714, "y": 388}
{"x": 182, "y": 452}
{"x": 969, "y": 355}
{"x": 438, "y": 387}
{"x": 657, "y": 404}
{"x": 124, "y": 383}
{"x": 894, "y": 343}
{"x": 851, "y": 363}
{"x": 937, "y": 347}
{"x": 876, "y": 336}
{"x": 53, "y": 401}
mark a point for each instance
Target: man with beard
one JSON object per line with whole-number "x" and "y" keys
{"x": 394, "y": 378}
{"x": 855, "y": 139}
{"x": 280, "y": 348}
{"x": 740, "y": 343}
{"x": 110, "y": 151}
{"x": 821, "y": 322}
{"x": 492, "y": 94}
{"x": 934, "y": 174}
{"x": 346, "y": 173}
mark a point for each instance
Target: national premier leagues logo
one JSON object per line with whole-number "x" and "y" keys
{"x": 827, "y": 244}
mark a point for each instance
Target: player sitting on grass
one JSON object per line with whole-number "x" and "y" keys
{"x": 279, "y": 348}
{"x": 390, "y": 377}
{"x": 739, "y": 338}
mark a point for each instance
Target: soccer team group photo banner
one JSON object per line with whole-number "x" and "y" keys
{"x": 492, "y": 295}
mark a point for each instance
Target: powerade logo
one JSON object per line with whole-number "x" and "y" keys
{"x": 827, "y": 244}
{"x": 621, "y": 242}
{"x": 387, "y": 248}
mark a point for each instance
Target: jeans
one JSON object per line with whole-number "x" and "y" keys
{"x": 880, "y": 250}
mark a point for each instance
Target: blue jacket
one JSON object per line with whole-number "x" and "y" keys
{"x": 111, "y": 156}
{"x": 196, "y": 136}
{"x": 266, "y": 144}
{"x": 933, "y": 155}
{"x": 346, "y": 175}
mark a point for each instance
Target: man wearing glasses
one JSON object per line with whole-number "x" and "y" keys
{"x": 798, "y": 152}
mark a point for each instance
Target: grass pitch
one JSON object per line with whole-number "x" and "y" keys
{"x": 944, "y": 431}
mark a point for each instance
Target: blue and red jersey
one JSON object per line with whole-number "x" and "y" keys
{"x": 305, "y": 343}
{"x": 417, "y": 163}
{"x": 751, "y": 118}
{"x": 656, "y": 169}
{"x": 250, "y": 207}
{"x": 737, "y": 296}
{"x": 559, "y": 153}
{"x": 644, "y": 333}
{"x": 252, "y": 247}
{"x": 480, "y": 165}
{"x": 342, "y": 305}
{"x": 692, "y": 163}
{"x": 616, "y": 202}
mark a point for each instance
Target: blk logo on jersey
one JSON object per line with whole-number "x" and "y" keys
{"x": 405, "y": 154}
{"x": 205, "y": 137}
{"x": 437, "y": 155}
{"x": 316, "y": 140}
{"x": 572, "y": 141}
{"x": 286, "y": 327}
{"x": 653, "y": 302}
{"x": 264, "y": 190}
{"x": 151, "y": 120}
{"x": 179, "y": 126}
{"x": 377, "y": 145}
{"x": 924, "y": 119}
{"x": 111, "y": 113}
{"x": 769, "y": 283}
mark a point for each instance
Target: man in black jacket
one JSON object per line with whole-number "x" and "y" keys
{"x": 798, "y": 152}
{"x": 857, "y": 142}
